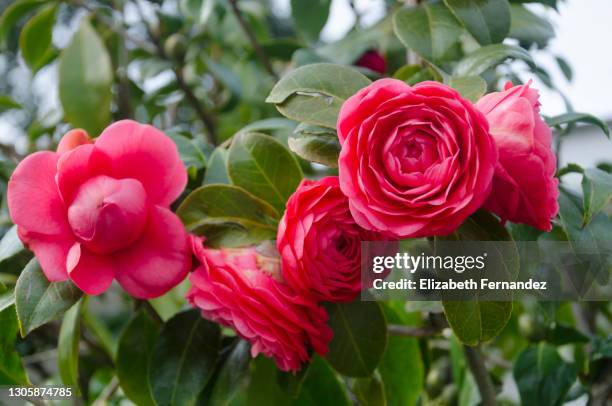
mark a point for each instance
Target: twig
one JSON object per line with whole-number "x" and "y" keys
{"x": 108, "y": 391}
{"x": 408, "y": 331}
{"x": 256, "y": 47}
{"x": 481, "y": 375}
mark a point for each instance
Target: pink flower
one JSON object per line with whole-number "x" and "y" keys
{"x": 415, "y": 161}
{"x": 320, "y": 243}
{"x": 525, "y": 189}
{"x": 237, "y": 288}
{"x": 97, "y": 211}
{"x": 372, "y": 60}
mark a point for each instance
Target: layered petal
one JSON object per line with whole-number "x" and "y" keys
{"x": 73, "y": 139}
{"x": 51, "y": 252}
{"x": 93, "y": 274}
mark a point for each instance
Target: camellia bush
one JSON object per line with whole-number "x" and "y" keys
{"x": 189, "y": 183}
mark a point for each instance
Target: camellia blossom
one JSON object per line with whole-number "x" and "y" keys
{"x": 525, "y": 189}
{"x": 238, "y": 289}
{"x": 320, "y": 243}
{"x": 372, "y": 60}
{"x": 416, "y": 161}
{"x": 97, "y": 211}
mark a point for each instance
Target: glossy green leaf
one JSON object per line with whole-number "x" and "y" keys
{"x": 310, "y": 17}
{"x": 488, "y": 57}
{"x": 573, "y": 117}
{"x": 133, "y": 357}
{"x": 35, "y": 39}
{"x": 216, "y": 171}
{"x": 597, "y": 191}
{"x": 264, "y": 167}
{"x": 264, "y": 388}
{"x": 268, "y": 125}
{"x": 542, "y": 376}
{"x": 228, "y": 215}
{"x": 470, "y": 87}
{"x": 321, "y": 386}
{"x": 314, "y": 93}
{"x": 11, "y": 368}
{"x": 529, "y": 28}
{"x": 231, "y": 385}
{"x": 190, "y": 150}
{"x": 474, "y": 321}
{"x": 183, "y": 358}
{"x": 430, "y": 30}
{"x": 316, "y": 144}
{"x": 360, "y": 337}
{"x": 39, "y": 301}
{"x": 487, "y": 20}
{"x": 14, "y": 13}
{"x": 85, "y": 79}
{"x": 68, "y": 345}
{"x": 370, "y": 391}
{"x": 401, "y": 367}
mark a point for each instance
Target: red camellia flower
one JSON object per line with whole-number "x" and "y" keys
{"x": 415, "y": 161}
{"x": 96, "y": 211}
{"x": 236, "y": 288}
{"x": 525, "y": 189}
{"x": 320, "y": 243}
{"x": 372, "y": 60}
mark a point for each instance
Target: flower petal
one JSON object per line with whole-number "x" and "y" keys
{"x": 73, "y": 139}
{"x": 145, "y": 153}
{"x": 93, "y": 274}
{"x": 51, "y": 252}
{"x": 77, "y": 166}
{"x": 157, "y": 262}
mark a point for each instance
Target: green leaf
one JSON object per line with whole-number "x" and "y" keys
{"x": 197, "y": 10}
{"x": 7, "y": 297}
{"x": 314, "y": 93}
{"x": 470, "y": 87}
{"x": 487, "y": 20}
{"x": 401, "y": 367}
{"x": 35, "y": 39}
{"x": 602, "y": 348}
{"x": 430, "y": 30}
{"x": 561, "y": 335}
{"x": 360, "y": 337}
{"x": 133, "y": 357}
{"x": 231, "y": 385}
{"x": 7, "y": 103}
{"x": 228, "y": 215}
{"x": 264, "y": 167}
{"x": 85, "y": 79}
{"x": 321, "y": 386}
{"x": 530, "y": 28}
{"x": 190, "y": 150}
{"x": 310, "y": 17}
{"x": 597, "y": 191}
{"x": 267, "y": 125}
{"x": 216, "y": 171}
{"x": 13, "y": 14}
{"x": 10, "y": 245}
{"x": 68, "y": 345}
{"x": 370, "y": 391}
{"x": 316, "y": 144}
{"x": 474, "y": 321}
{"x": 565, "y": 68}
{"x": 573, "y": 117}
{"x": 39, "y": 301}
{"x": 542, "y": 377}
{"x": 489, "y": 56}
{"x": 11, "y": 368}
{"x": 183, "y": 358}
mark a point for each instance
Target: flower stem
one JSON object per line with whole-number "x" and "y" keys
{"x": 481, "y": 375}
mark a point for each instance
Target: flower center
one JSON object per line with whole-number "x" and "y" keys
{"x": 108, "y": 214}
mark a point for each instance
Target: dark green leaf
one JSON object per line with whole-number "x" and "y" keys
{"x": 370, "y": 391}
{"x": 39, "y": 301}
{"x": 133, "y": 357}
{"x": 530, "y": 28}
{"x": 474, "y": 321}
{"x": 68, "y": 345}
{"x": 228, "y": 215}
{"x": 13, "y": 14}
{"x": 11, "y": 369}
{"x": 310, "y": 17}
{"x": 85, "y": 79}
{"x": 470, "y": 87}
{"x": 316, "y": 144}
{"x": 561, "y": 335}
{"x": 314, "y": 93}
{"x": 35, "y": 38}
{"x": 231, "y": 385}
{"x": 216, "y": 171}
{"x": 597, "y": 191}
{"x": 430, "y": 30}
{"x": 602, "y": 348}
{"x": 183, "y": 358}
{"x": 542, "y": 377}
{"x": 573, "y": 117}
{"x": 565, "y": 67}
{"x": 360, "y": 337}
{"x": 489, "y": 56}
{"x": 487, "y": 20}
{"x": 268, "y": 125}
{"x": 264, "y": 167}
{"x": 264, "y": 388}
{"x": 321, "y": 386}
